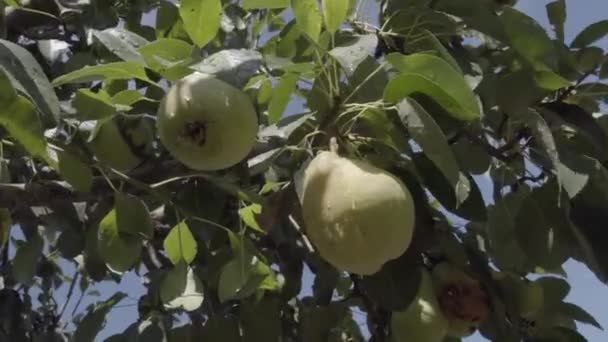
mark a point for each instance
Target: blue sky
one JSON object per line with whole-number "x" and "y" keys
{"x": 587, "y": 291}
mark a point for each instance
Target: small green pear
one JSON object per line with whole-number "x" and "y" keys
{"x": 423, "y": 319}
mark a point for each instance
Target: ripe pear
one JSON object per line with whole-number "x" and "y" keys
{"x": 423, "y": 319}
{"x": 206, "y": 123}
{"x": 462, "y": 299}
{"x": 358, "y": 216}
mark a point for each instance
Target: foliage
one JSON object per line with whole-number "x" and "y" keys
{"x": 457, "y": 98}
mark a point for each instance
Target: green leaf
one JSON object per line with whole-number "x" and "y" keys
{"x": 471, "y": 157}
{"x": 547, "y": 79}
{"x": 235, "y": 66}
{"x": 248, "y": 214}
{"x": 6, "y": 223}
{"x": 93, "y": 106}
{"x": 538, "y": 237}
{"x": 504, "y": 248}
{"x": 318, "y": 322}
{"x": 576, "y": 312}
{"x": 29, "y": 79}
{"x": 105, "y": 72}
{"x": 196, "y": 12}
{"x": 111, "y": 148}
{"x": 122, "y": 43}
{"x": 168, "y": 57}
{"x": 121, "y": 252}
{"x": 73, "y": 170}
{"x": 308, "y": 17}
{"x": 261, "y": 320}
{"x": 556, "y": 11}
{"x": 181, "y": 288}
{"x": 234, "y": 277}
{"x": 132, "y": 216}
{"x": 93, "y": 322}
{"x": 334, "y": 13}
{"x": 367, "y": 82}
{"x": 180, "y": 244}
{"x": 434, "y": 77}
{"x": 351, "y": 51}
{"x": 528, "y": 38}
{"x": 129, "y": 97}
{"x": 264, "y": 4}
{"x": 21, "y": 121}
{"x": 396, "y": 284}
{"x": 246, "y": 273}
{"x": 543, "y": 137}
{"x": 578, "y": 119}
{"x": 223, "y": 328}
{"x": 428, "y": 135}
{"x": 431, "y": 42}
{"x": 590, "y": 34}
{"x": 25, "y": 262}
{"x": 281, "y": 96}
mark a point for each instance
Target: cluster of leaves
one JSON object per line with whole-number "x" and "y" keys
{"x": 441, "y": 93}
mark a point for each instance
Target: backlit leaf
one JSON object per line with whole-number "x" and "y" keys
{"x": 196, "y": 12}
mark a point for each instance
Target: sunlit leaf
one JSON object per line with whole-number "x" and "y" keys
{"x": 181, "y": 288}
{"x": 105, "y": 72}
{"x": 196, "y": 12}
{"x": 334, "y": 13}
{"x": 121, "y": 252}
{"x": 180, "y": 244}
{"x": 434, "y": 77}
{"x": 268, "y": 4}
{"x": 308, "y": 17}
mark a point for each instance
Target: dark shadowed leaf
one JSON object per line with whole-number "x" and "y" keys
{"x": 72, "y": 169}
{"x": 367, "y": 83}
{"x": 25, "y": 262}
{"x": 29, "y": 79}
{"x": 576, "y": 312}
{"x": 556, "y": 11}
{"x": 94, "y": 320}
{"x": 579, "y": 119}
{"x": 504, "y": 247}
{"x": 221, "y": 328}
{"x": 433, "y": 142}
{"x": 590, "y": 34}
{"x": 396, "y": 284}
{"x": 317, "y": 322}
{"x": 261, "y": 320}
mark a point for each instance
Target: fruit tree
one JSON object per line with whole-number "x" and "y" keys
{"x": 298, "y": 170}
